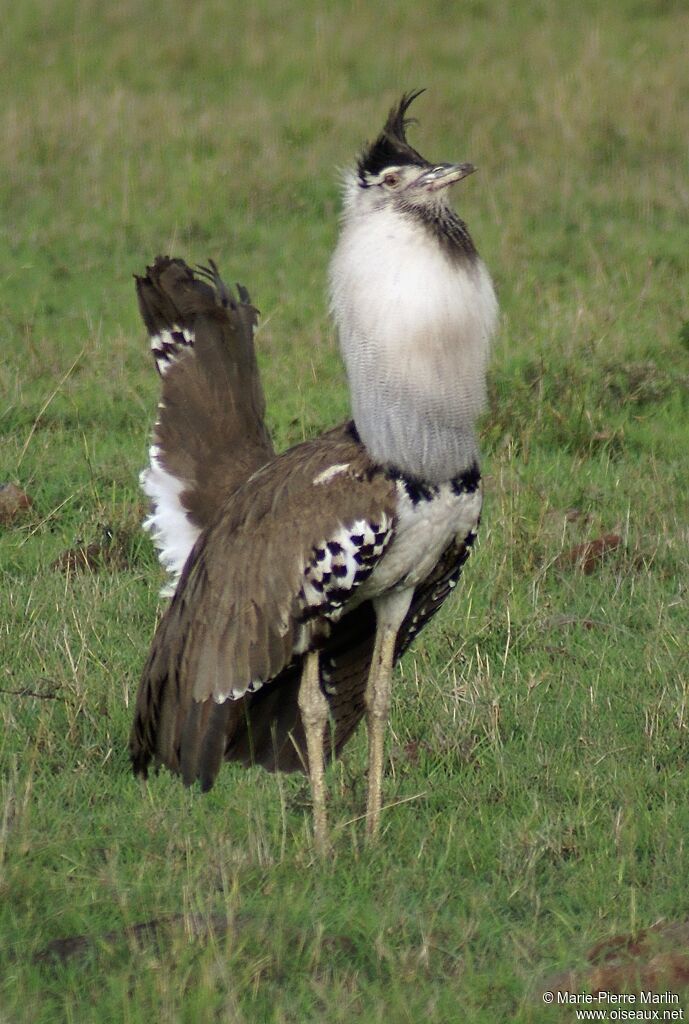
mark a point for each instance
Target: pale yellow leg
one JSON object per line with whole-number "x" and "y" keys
{"x": 314, "y": 715}
{"x": 378, "y": 707}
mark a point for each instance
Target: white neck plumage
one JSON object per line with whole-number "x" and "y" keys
{"x": 415, "y": 322}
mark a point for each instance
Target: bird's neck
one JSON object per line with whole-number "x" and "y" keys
{"x": 415, "y": 323}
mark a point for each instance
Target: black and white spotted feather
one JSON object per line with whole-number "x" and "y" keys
{"x": 168, "y": 344}
{"x": 341, "y": 564}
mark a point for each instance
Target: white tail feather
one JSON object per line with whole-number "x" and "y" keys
{"x": 172, "y": 532}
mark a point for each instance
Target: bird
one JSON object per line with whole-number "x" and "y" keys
{"x": 300, "y": 578}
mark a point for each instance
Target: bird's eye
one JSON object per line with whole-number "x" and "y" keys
{"x": 391, "y": 179}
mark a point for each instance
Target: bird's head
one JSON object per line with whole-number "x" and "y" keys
{"x": 391, "y": 173}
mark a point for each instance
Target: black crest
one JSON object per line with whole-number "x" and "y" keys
{"x": 391, "y": 147}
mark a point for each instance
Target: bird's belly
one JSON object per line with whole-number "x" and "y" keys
{"x": 425, "y": 528}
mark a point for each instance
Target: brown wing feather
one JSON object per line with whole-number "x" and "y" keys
{"x": 237, "y": 606}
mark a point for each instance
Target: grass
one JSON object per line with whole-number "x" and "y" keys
{"x": 538, "y": 774}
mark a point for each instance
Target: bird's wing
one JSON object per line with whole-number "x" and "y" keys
{"x": 285, "y": 556}
{"x": 210, "y": 433}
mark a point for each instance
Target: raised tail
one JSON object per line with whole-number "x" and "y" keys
{"x": 210, "y": 434}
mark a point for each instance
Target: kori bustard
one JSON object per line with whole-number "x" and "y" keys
{"x": 302, "y": 577}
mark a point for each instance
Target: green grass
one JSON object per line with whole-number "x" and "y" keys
{"x": 538, "y": 770}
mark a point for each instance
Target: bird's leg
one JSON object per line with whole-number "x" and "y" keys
{"x": 378, "y": 706}
{"x": 390, "y": 614}
{"x": 314, "y": 715}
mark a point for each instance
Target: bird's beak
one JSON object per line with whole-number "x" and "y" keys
{"x": 443, "y": 175}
